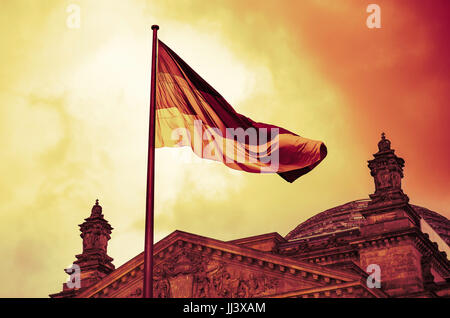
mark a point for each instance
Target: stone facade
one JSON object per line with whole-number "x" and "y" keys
{"x": 325, "y": 256}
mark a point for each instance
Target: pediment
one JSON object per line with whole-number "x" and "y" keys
{"x": 188, "y": 265}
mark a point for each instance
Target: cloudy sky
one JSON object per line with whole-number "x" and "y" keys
{"x": 74, "y": 118}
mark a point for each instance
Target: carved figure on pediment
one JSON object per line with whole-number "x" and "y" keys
{"x": 253, "y": 282}
{"x": 201, "y": 285}
{"x": 229, "y": 286}
{"x": 216, "y": 279}
{"x": 218, "y": 283}
{"x": 261, "y": 284}
{"x": 158, "y": 272}
{"x": 243, "y": 289}
{"x": 270, "y": 283}
{"x": 162, "y": 288}
{"x": 224, "y": 285}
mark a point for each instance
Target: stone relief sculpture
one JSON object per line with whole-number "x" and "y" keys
{"x": 209, "y": 278}
{"x": 162, "y": 288}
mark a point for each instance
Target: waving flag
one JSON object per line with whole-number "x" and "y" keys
{"x": 189, "y": 112}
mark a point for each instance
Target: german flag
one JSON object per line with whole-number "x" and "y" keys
{"x": 189, "y": 112}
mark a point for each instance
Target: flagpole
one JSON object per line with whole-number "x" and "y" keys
{"x": 148, "y": 250}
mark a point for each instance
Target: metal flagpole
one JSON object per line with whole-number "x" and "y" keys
{"x": 148, "y": 251}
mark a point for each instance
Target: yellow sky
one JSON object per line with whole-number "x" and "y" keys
{"x": 74, "y": 123}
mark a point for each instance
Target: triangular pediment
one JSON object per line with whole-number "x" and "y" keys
{"x": 188, "y": 265}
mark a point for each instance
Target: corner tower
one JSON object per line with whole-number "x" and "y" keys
{"x": 391, "y": 236}
{"x": 388, "y": 205}
{"x": 387, "y": 170}
{"x": 93, "y": 263}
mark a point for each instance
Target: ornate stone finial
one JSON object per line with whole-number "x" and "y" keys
{"x": 96, "y": 210}
{"x": 384, "y": 144}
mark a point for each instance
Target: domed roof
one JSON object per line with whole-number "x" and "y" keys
{"x": 384, "y": 144}
{"x": 96, "y": 210}
{"x": 348, "y": 216}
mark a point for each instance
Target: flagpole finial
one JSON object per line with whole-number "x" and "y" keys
{"x": 155, "y": 27}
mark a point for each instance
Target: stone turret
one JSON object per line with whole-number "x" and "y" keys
{"x": 390, "y": 217}
{"x": 93, "y": 263}
{"x": 387, "y": 170}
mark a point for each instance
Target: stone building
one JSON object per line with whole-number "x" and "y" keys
{"x": 376, "y": 247}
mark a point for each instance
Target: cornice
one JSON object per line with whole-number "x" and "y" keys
{"x": 338, "y": 290}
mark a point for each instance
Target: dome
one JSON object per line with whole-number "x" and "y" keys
{"x": 348, "y": 216}
{"x": 384, "y": 144}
